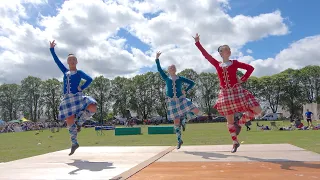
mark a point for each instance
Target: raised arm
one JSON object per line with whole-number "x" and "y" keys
{"x": 212, "y": 60}
{"x": 87, "y": 78}
{"x": 247, "y": 67}
{"x": 188, "y": 81}
{"x": 162, "y": 73}
{"x": 56, "y": 59}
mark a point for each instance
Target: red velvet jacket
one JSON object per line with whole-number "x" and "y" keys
{"x": 227, "y": 75}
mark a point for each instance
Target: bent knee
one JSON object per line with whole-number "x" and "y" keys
{"x": 70, "y": 120}
{"x": 177, "y": 122}
{"x": 195, "y": 110}
{"x": 257, "y": 109}
{"x": 230, "y": 119}
{"x": 92, "y": 108}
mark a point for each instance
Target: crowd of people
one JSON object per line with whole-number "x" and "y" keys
{"x": 11, "y": 127}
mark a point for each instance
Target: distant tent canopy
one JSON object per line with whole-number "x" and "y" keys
{"x": 14, "y": 121}
{"x": 2, "y": 122}
{"x": 19, "y": 120}
{"x": 24, "y": 119}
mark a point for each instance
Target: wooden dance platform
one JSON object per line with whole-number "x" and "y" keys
{"x": 255, "y": 161}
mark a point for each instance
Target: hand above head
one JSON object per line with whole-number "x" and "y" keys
{"x": 52, "y": 44}
{"x": 158, "y": 54}
{"x": 197, "y": 38}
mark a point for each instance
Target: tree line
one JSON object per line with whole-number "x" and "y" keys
{"x": 145, "y": 94}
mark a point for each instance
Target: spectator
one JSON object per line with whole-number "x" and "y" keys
{"x": 308, "y": 115}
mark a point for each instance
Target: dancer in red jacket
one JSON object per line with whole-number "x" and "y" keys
{"x": 233, "y": 98}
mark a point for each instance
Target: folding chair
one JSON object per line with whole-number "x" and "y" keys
{"x": 98, "y": 130}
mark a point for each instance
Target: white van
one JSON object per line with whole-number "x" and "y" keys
{"x": 270, "y": 117}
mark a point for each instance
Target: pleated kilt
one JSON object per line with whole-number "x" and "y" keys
{"x": 73, "y": 104}
{"x": 234, "y": 100}
{"x": 178, "y": 107}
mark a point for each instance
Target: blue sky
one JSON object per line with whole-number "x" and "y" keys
{"x": 50, "y": 9}
{"x": 302, "y": 22}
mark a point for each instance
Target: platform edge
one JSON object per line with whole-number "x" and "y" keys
{"x": 127, "y": 174}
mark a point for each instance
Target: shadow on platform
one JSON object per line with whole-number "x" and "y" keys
{"x": 91, "y": 166}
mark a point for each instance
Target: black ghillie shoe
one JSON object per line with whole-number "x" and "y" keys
{"x": 73, "y": 148}
{"x": 179, "y": 144}
{"x": 235, "y": 147}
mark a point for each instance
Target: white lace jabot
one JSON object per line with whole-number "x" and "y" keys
{"x": 226, "y": 64}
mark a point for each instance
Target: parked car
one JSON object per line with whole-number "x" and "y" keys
{"x": 270, "y": 117}
{"x": 199, "y": 119}
{"x": 89, "y": 123}
{"x": 220, "y": 119}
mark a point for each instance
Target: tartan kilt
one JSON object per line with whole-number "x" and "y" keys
{"x": 178, "y": 107}
{"x": 235, "y": 99}
{"x": 72, "y": 104}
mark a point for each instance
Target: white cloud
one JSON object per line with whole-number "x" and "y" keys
{"x": 299, "y": 54}
{"x": 176, "y": 25}
{"x": 249, "y": 51}
{"x": 88, "y": 29}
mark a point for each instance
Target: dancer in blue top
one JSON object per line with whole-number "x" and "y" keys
{"x": 75, "y": 107}
{"x": 178, "y": 105}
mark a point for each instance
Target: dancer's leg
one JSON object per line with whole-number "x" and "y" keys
{"x": 249, "y": 115}
{"x": 232, "y": 131}
{"x": 89, "y": 111}
{"x": 84, "y": 115}
{"x": 196, "y": 111}
{"x": 92, "y": 108}
{"x": 73, "y": 133}
{"x": 193, "y": 113}
{"x": 248, "y": 128}
{"x": 177, "y": 127}
{"x": 183, "y": 122}
{"x": 189, "y": 115}
{"x": 257, "y": 110}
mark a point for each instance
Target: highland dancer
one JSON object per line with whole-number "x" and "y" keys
{"x": 232, "y": 98}
{"x": 178, "y": 105}
{"x": 75, "y": 107}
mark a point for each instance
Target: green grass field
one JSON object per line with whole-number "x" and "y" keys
{"x": 25, "y": 144}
